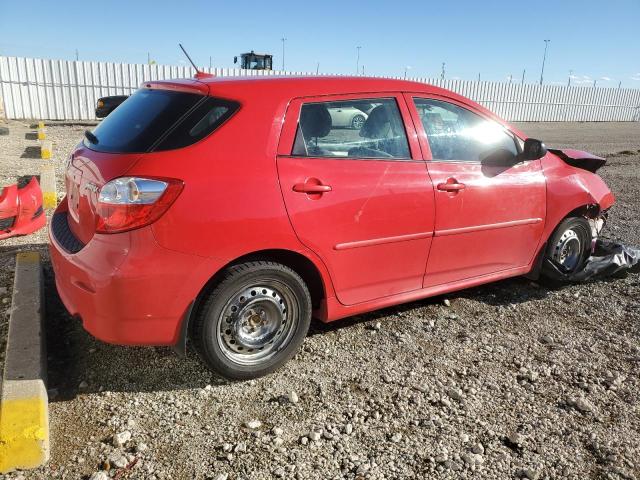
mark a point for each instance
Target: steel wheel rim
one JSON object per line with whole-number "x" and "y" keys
{"x": 257, "y": 322}
{"x": 568, "y": 250}
{"x": 357, "y": 122}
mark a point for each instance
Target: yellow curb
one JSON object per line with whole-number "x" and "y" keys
{"x": 24, "y": 433}
{"x": 24, "y": 415}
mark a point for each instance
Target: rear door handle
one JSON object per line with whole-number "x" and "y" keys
{"x": 311, "y": 188}
{"x": 453, "y": 186}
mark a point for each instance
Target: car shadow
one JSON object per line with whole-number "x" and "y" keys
{"x": 80, "y": 364}
{"x": 31, "y": 152}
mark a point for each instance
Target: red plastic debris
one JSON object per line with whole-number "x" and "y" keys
{"x": 21, "y": 209}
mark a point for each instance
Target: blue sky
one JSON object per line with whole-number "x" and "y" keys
{"x": 596, "y": 40}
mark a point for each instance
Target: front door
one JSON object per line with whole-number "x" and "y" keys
{"x": 360, "y": 198}
{"x": 490, "y": 207}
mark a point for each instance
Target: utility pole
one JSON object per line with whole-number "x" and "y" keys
{"x": 363, "y": 70}
{"x": 210, "y": 62}
{"x": 594, "y": 83}
{"x": 544, "y": 58}
{"x": 77, "y": 56}
{"x": 620, "y": 84}
{"x": 148, "y": 58}
{"x": 442, "y": 73}
{"x": 358, "y": 60}
{"x": 510, "y": 78}
{"x": 478, "y": 76}
{"x": 570, "y": 75}
{"x": 524, "y": 70}
{"x": 317, "y": 68}
{"x": 283, "y": 39}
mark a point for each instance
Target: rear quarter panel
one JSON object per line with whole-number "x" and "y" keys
{"x": 231, "y": 204}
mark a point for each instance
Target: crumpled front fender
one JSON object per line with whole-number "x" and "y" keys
{"x": 21, "y": 210}
{"x": 570, "y": 188}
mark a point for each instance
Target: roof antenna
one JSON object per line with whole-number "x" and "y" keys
{"x": 199, "y": 73}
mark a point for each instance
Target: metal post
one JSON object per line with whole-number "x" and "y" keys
{"x": 283, "y": 39}
{"x": 358, "y": 60}
{"x": 544, "y": 58}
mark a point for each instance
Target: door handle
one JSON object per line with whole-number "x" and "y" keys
{"x": 311, "y": 188}
{"x": 451, "y": 185}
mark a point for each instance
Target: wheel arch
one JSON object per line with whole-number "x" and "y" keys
{"x": 587, "y": 210}
{"x": 298, "y": 262}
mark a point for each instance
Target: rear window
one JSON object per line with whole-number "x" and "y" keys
{"x": 155, "y": 120}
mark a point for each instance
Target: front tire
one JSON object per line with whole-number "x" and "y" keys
{"x": 253, "y": 321}
{"x": 569, "y": 245}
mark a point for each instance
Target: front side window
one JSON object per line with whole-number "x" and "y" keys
{"x": 457, "y": 134}
{"x": 351, "y": 129}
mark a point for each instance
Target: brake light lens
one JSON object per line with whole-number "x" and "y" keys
{"x": 128, "y": 203}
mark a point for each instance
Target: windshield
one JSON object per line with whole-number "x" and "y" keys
{"x": 152, "y": 120}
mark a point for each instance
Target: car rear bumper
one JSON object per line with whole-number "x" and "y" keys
{"x": 125, "y": 287}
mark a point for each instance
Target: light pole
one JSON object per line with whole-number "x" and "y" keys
{"x": 544, "y": 58}
{"x": 283, "y": 39}
{"x": 358, "y": 60}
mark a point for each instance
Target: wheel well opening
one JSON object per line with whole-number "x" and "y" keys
{"x": 297, "y": 262}
{"x": 591, "y": 210}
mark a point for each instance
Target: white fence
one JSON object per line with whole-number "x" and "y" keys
{"x": 43, "y": 89}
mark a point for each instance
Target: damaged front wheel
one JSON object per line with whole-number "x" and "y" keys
{"x": 569, "y": 246}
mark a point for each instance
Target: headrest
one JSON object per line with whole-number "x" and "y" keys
{"x": 434, "y": 121}
{"x": 378, "y": 124}
{"x": 315, "y": 120}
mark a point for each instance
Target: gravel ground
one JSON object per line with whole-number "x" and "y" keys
{"x": 508, "y": 380}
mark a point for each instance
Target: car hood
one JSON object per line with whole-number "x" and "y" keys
{"x": 579, "y": 159}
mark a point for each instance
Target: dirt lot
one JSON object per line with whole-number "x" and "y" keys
{"x": 509, "y": 380}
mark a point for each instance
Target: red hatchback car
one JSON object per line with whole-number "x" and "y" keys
{"x": 231, "y": 210}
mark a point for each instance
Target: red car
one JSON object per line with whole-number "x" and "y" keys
{"x": 230, "y": 211}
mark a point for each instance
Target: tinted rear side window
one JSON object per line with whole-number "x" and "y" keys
{"x": 152, "y": 120}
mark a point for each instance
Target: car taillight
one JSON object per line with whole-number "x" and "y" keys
{"x": 128, "y": 203}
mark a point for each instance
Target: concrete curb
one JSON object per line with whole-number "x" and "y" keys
{"x": 24, "y": 416}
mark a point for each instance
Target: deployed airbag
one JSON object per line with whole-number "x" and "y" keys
{"x": 609, "y": 258}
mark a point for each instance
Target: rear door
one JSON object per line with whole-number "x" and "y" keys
{"x": 490, "y": 207}
{"x": 361, "y": 199}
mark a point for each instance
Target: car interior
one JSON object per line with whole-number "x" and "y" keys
{"x": 381, "y": 136}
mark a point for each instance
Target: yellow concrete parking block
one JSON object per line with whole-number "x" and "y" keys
{"x": 24, "y": 418}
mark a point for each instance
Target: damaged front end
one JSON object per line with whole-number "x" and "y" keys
{"x": 607, "y": 257}
{"x": 21, "y": 209}
{"x": 579, "y": 159}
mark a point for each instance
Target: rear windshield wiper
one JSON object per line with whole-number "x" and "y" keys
{"x": 91, "y": 137}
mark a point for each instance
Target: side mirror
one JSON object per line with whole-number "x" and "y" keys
{"x": 533, "y": 149}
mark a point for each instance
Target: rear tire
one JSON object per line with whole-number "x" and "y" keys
{"x": 569, "y": 246}
{"x": 253, "y": 321}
